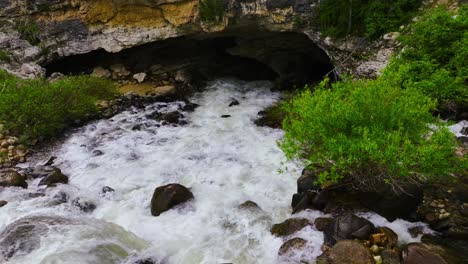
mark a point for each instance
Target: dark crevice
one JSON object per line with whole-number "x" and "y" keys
{"x": 290, "y": 59}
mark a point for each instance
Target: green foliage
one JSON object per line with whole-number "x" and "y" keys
{"x": 212, "y": 11}
{"x": 368, "y": 132}
{"x": 435, "y": 57}
{"x": 4, "y": 56}
{"x": 37, "y": 109}
{"x": 29, "y": 31}
{"x": 371, "y": 18}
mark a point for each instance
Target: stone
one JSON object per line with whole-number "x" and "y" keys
{"x": 171, "y": 117}
{"x": 225, "y": 116}
{"x": 378, "y": 260}
{"x": 54, "y": 177}
{"x": 347, "y": 252}
{"x": 417, "y": 253}
{"x": 250, "y": 206}
{"x": 85, "y": 206}
{"x": 119, "y": 70}
{"x": 190, "y": 107}
{"x": 391, "y": 256}
{"x": 107, "y": 189}
{"x": 391, "y": 38}
{"x": 168, "y": 196}
{"x": 233, "y": 102}
{"x": 101, "y": 72}
{"x": 139, "y": 77}
{"x": 308, "y": 180}
{"x": 11, "y": 178}
{"x": 374, "y": 249}
{"x": 349, "y": 226}
{"x": 386, "y": 238}
{"x": 288, "y": 249}
{"x": 289, "y": 227}
{"x": 3, "y": 203}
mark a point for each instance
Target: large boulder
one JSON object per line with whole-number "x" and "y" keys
{"x": 393, "y": 205}
{"x": 289, "y": 227}
{"x": 346, "y": 226}
{"x": 417, "y": 253}
{"x": 11, "y": 178}
{"x": 347, "y": 252}
{"x": 168, "y": 196}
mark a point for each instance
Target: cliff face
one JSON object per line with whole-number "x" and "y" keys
{"x": 63, "y": 28}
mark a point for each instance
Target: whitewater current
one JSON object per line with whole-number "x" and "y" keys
{"x": 224, "y": 162}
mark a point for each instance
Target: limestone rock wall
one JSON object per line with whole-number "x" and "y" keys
{"x": 69, "y": 27}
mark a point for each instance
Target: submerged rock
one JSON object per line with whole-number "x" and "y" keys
{"x": 289, "y": 227}
{"x": 171, "y": 117}
{"x": 24, "y": 235}
{"x": 291, "y": 246}
{"x": 347, "y": 252}
{"x": 3, "y": 203}
{"x": 233, "y": 102}
{"x": 11, "y": 178}
{"x": 168, "y": 196}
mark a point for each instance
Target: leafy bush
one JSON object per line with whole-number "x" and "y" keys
{"x": 4, "y": 56}
{"x": 29, "y": 31}
{"x": 212, "y": 11}
{"x": 434, "y": 59}
{"x": 367, "y": 132}
{"x": 372, "y": 18}
{"x": 36, "y": 109}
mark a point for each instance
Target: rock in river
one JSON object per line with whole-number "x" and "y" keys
{"x": 168, "y": 196}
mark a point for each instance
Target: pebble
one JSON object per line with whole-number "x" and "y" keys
{"x": 442, "y": 211}
{"x": 441, "y": 205}
{"x": 444, "y": 216}
{"x": 378, "y": 259}
{"x": 374, "y": 249}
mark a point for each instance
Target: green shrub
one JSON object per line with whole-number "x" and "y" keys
{"x": 212, "y": 11}
{"x": 435, "y": 57}
{"x": 371, "y": 18}
{"x": 29, "y": 31}
{"x": 36, "y": 109}
{"x": 367, "y": 132}
{"x": 4, "y": 56}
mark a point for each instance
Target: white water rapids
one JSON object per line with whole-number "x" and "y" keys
{"x": 225, "y": 162}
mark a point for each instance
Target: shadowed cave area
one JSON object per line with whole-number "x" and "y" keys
{"x": 289, "y": 59}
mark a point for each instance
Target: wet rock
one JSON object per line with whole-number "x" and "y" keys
{"x": 24, "y": 235}
{"x": 50, "y": 161}
{"x": 3, "y": 203}
{"x": 289, "y": 227}
{"x": 60, "y": 198}
{"x": 347, "y": 226}
{"x": 146, "y": 261}
{"x": 346, "y": 252}
{"x": 36, "y": 195}
{"x": 171, "y": 117}
{"x": 384, "y": 237}
{"x": 391, "y": 205}
{"x": 452, "y": 250}
{"x": 416, "y": 231}
{"x": 11, "y": 178}
{"x": 250, "y": 206}
{"x": 416, "y": 253}
{"x": 233, "y": 102}
{"x": 97, "y": 153}
{"x": 85, "y": 206}
{"x": 190, "y": 107}
{"x": 107, "y": 189}
{"x": 225, "y": 116}
{"x": 288, "y": 249}
{"x": 53, "y": 177}
{"x": 168, "y": 196}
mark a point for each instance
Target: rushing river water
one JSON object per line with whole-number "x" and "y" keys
{"x": 225, "y": 162}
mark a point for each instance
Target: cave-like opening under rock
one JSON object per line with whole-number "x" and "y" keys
{"x": 290, "y": 59}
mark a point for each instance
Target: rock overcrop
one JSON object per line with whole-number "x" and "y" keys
{"x": 168, "y": 196}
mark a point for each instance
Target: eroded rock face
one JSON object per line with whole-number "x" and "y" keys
{"x": 70, "y": 27}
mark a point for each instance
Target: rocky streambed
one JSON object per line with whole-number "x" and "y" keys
{"x": 196, "y": 182}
